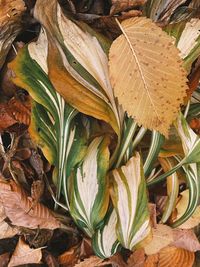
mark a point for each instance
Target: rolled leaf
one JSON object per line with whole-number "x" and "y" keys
{"x": 88, "y": 186}
{"x": 128, "y": 193}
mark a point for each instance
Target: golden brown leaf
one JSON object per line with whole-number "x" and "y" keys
{"x": 6, "y": 120}
{"x": 162, "y": 236}
{"x": 11, "y": 12}
{"x": 137, "y": 258}
{"x": 171, "y": 257}
{"x": 147, "y": 74}
{"x": 17, "y": 206}
{"x": 23, "y": 254}
{"x": 70, "y": 257}
{"x": 4, "y": 259}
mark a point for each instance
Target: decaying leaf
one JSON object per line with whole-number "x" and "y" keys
{"x": 6, "y": 120}
{"x": 162, "y": 237}
{"x": 181, "y": 208}
{"x": 150, "y": 82}
{"x": 185, "y": 239}
{"x": 137, "y": 258}
{"x": 4, "y": 259}
{"x": 6, "y": 230}
{"x": 18, "y": 208}
{"x": 11, "y": 12}
{"x": 70, "y": 257}
{"x": 90, "y": 262}
{"x": 23, "y": 254}
{"x": 171, "y": 256}
{"x": 119, "y": 6}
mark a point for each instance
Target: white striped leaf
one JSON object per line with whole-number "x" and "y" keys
{"x": 128, "y": 193}
{"x": 88, "y": 187}
{"x": 190, "y": 141}
{"x": 51, "y": 115}
{"x": 104, "y": 241}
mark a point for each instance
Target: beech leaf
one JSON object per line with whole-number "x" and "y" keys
{"x": 18, "y": 208}
{"x": 23, "y": 254}
{"x": 171, "y": 256}
{"x": 147, "y": 74}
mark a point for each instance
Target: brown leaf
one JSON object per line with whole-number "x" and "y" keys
{"x": 162, "y": 237}
{"x": 11, "y": 12}
{"x": 6, "y": 231}
{"x": 171, "y": 257}
{"x": 50, "y": 260}
{"x": 152, "y": 212}
{"x": 4, "y": 259}
{"x": 6, "y": 120}
{"x": 147, "y": 72}
{"x": 121, "y": 5}
{"x": 90, "y": 262}
{"x": 37, "y": 189}
{"x": 185, "y": 239}
{"x": 70, "y": 257}
{"x": 23, "y": 254}
{"x": 18, "y": 205}
{"x": 137, "y": 258}
{"x": 195, "y": 125}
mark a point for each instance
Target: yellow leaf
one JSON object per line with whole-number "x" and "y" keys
{"x": 147, "y": 74}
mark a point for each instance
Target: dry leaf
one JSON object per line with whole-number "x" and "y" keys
{"x": 6, "y": 120}
{"x": 70, "y": 257}
{"x": 90, "y": 262}
{"x": 137, "y": 258}
{"x": 171, "y": 257}
{"x": 18, "y": 205}
{"x": 181, "y": 207}
{"x": 37, "y": 189}
{"x": 23, "y": 254}
{"x": 185, "y": 239}
{"x": 11, "y": 12}
{"x": 195, "y": 125}
{"x": 4, "y": 259}
{"x": 162, "y": 237}
{"x": 147, "y": 74}
{"x": 121, "y": 5}
{"x": 6, "y": 231}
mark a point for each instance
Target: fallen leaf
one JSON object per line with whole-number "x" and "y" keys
{"x": 137, "y": 258}
{"x": 23, "y": 254}
{"x": 90, "y": 262}
{"x": 6, "y": 120}
{"x": 121, "y": 5}
{"x": 4, "y": 259}
{"x": 49, "y": 259}
{"x": 146, "y": 72}
{"x": 171, "y": 256}
{"x": 195, "y": 125}
{"x": 162, "y": 237}
{"x": 37, "y": 189}
{"x": 181, "y": 208}
{"x": 11, "y": 12}
{"x": 185, "y": 239}
{"x": 152, "y": 212}
{"x": 6, "y": 231}
{"x": 70, "y": 257}
{"x": 17, "y": 206}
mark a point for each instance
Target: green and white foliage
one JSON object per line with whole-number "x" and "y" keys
{"x": 88, "y": 187}
{"x": 51, "y": 119}
{"x": 104, "y": 241}
{"x": 128, "y": 193}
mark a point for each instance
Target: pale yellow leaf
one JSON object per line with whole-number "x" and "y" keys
{"x": 23, "y": 254}
{"x": 162, "y": 237}
{"x": 147, "y": 74}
